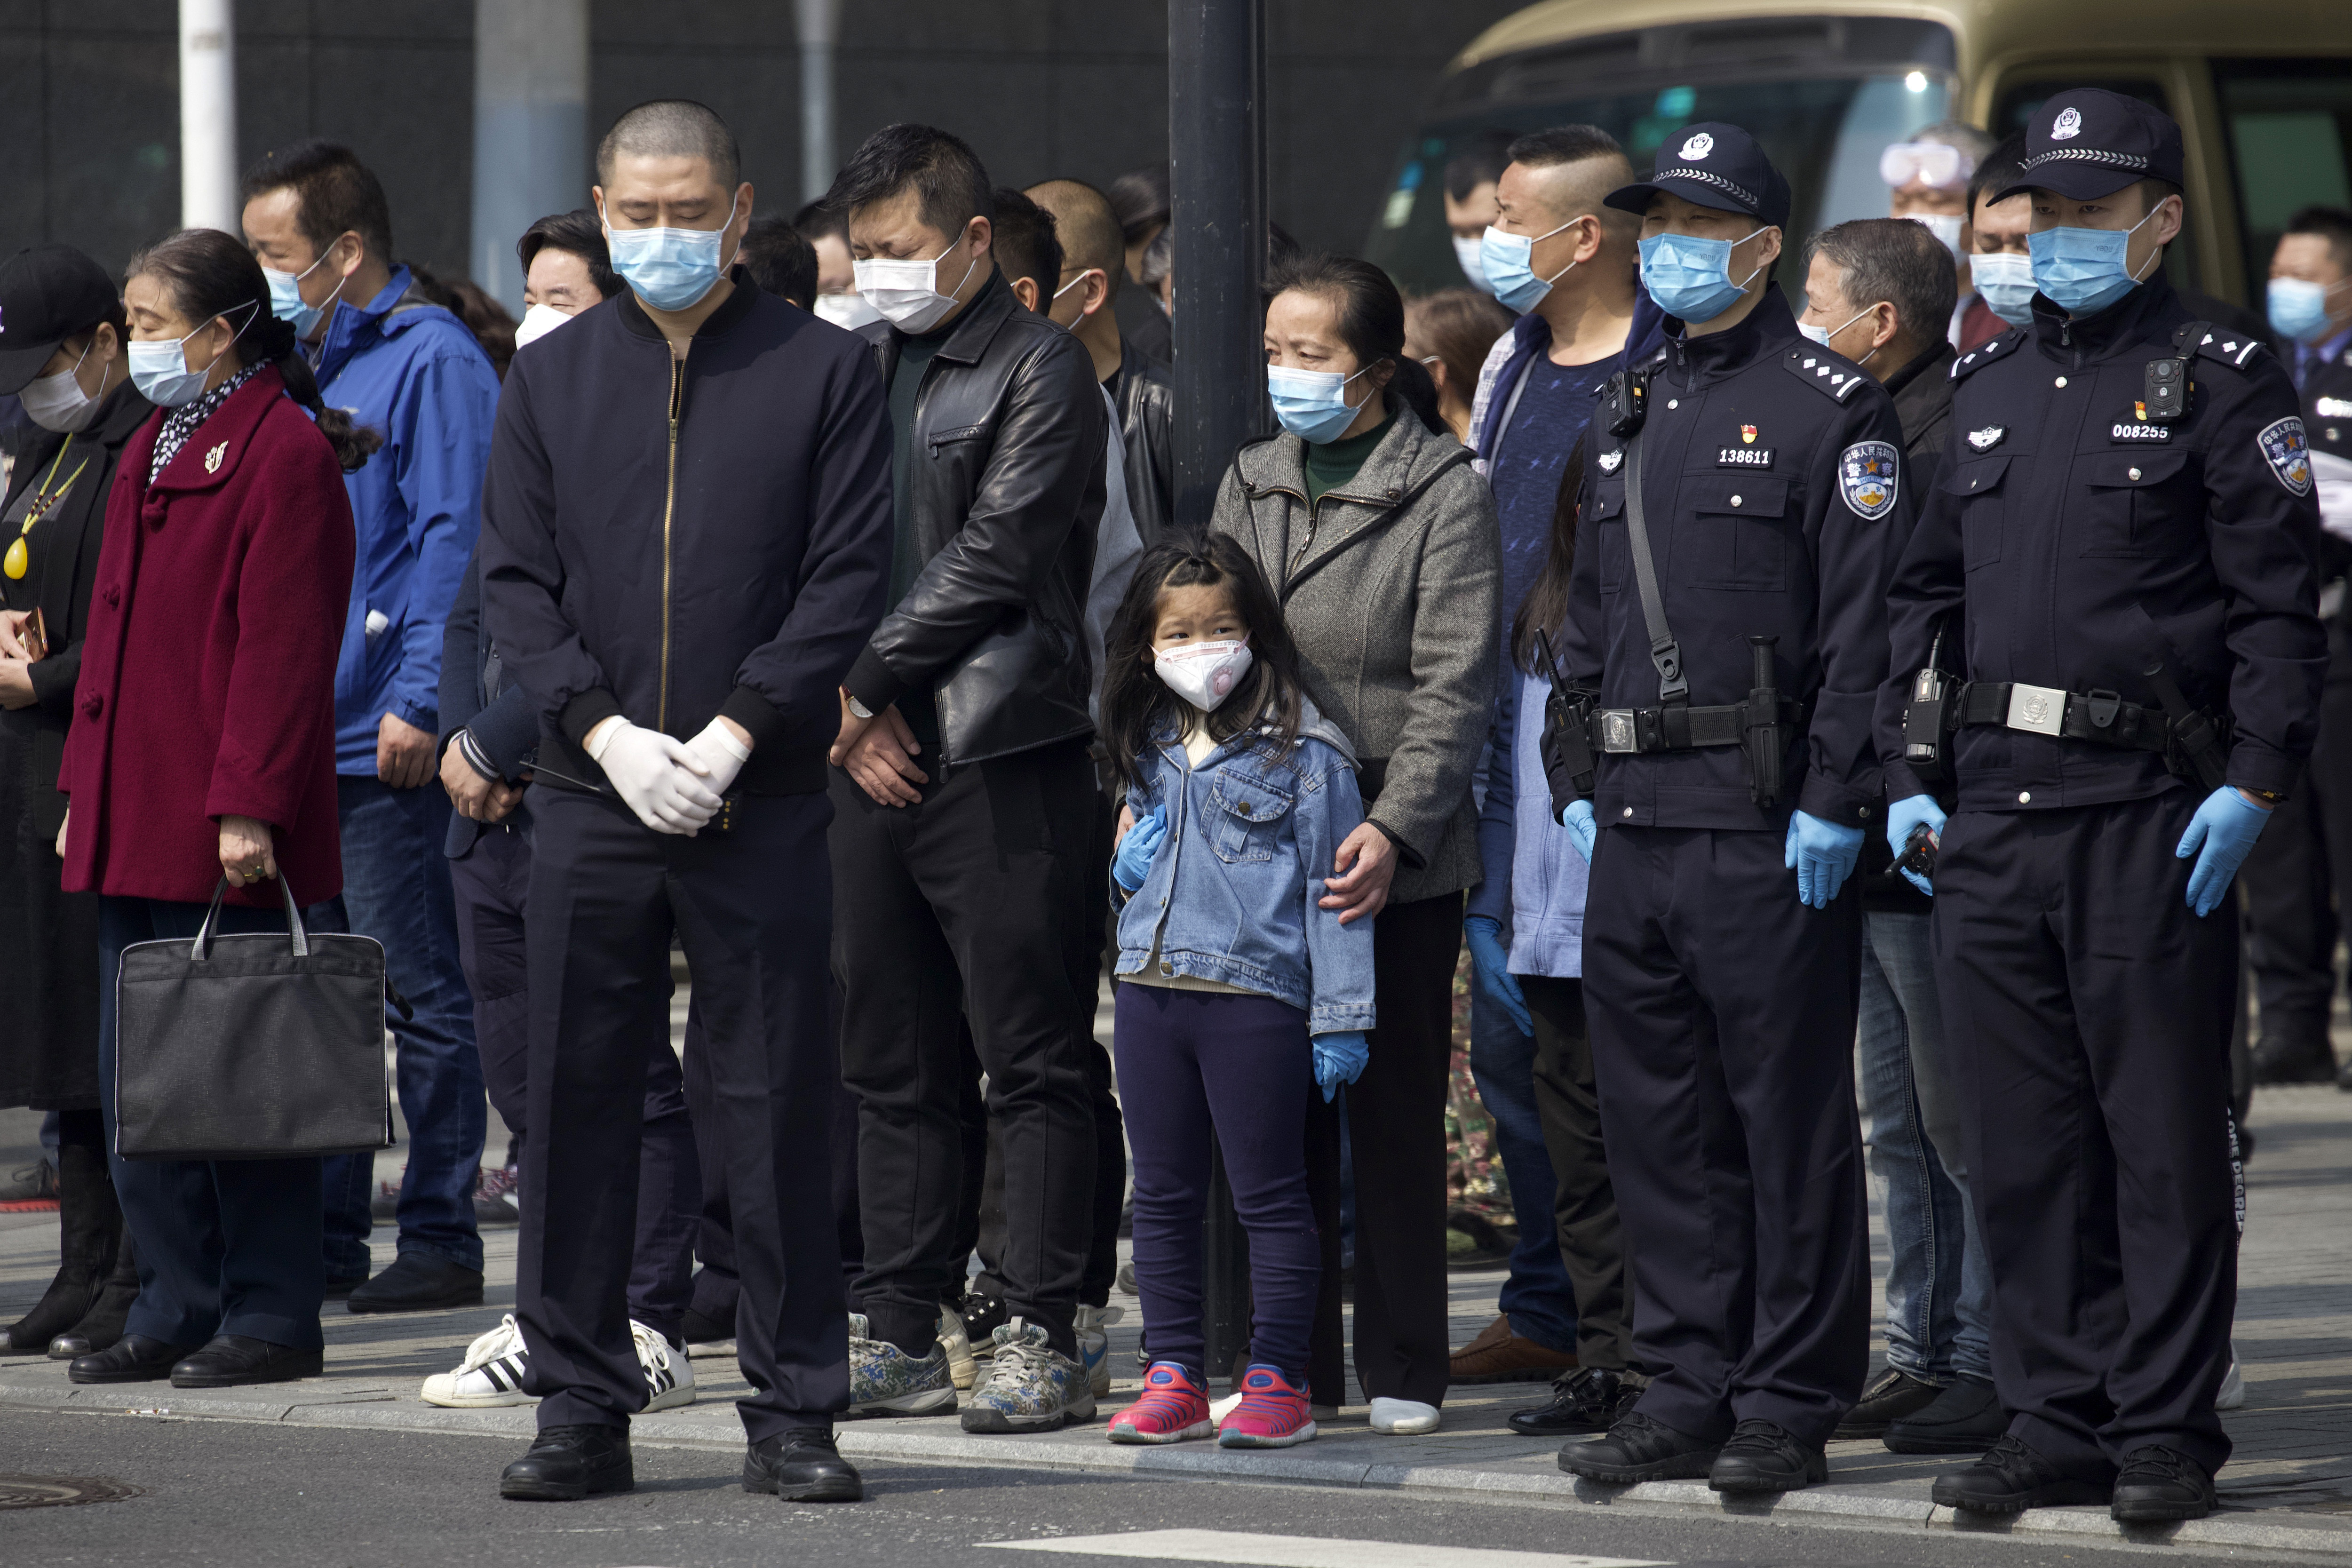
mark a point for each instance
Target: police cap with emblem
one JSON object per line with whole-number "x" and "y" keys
{"x": 2091, "y": 142}
{"x": 47, "y": 295}
{"x": 1713, "y": 165}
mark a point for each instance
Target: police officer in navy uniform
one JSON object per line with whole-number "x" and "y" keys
{"x": 1755, "y": 481}
{"x": 2122, "y": 544}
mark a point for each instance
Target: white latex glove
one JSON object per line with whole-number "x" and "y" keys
{"x": 656, "y": 775}
{"x": 721, "y": 755}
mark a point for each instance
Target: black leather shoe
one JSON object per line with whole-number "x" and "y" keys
{"x": 568, "y": 1463}
{"x": 419, "y": 1282}
{"x": 1590, "y": 1399}
{"x": 1640, "y": 1449}
{"x": 1966, "y": 1418}
{"x": 802, "y": 1466}
{"x": 1891, "y": 1395}
{"x": 232, "y": 1361}
{"x": 2159, "y": 1483}
{"x": 134, "y": 1358}
{"x": 2012, "y": 1478}
{"x": 1765, "y": 1457}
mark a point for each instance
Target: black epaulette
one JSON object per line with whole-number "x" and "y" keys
{"x": 1976, "y": 359}
{"x": 2236, "y": 350}
{"x": 1832, "y": 375}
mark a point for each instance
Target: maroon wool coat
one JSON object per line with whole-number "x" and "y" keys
{"x": 208, "y": 673}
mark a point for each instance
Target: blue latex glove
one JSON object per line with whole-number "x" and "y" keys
{"x": 1340, "y": 1059}
{"x": 2219, "y": 836}
{"x": 1902, "y": 817}
{"x": 1492, "y": 965}
{"x": 1577, "y": 820}
{"x": 1132, "y": 864}
{"x": 1823, "y": 855}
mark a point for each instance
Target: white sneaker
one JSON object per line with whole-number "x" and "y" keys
{"x": 1220, "y": 1408}
{"x": 669, "y": 1376}
{"x": 962, "y": 1368}
{"x": 2233, "y": 1387}
{"x": 1403, "y": 1417}
{"x": 1094, "y": 1345}
{"x": 490, "y": 1376}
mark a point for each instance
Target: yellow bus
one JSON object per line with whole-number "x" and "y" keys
{"x": 2263, "y": 90}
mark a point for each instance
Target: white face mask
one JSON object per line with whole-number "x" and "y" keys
{"x": 57, "y": 403}
{"x": 1203, "y": 673}
{"x": 847, "y": 312}
{"x": 537, "y": 323}
{"x": 1822, "y": 335}
{"x": 1945, "y": 226}
{"x": 1466, "y": 256}
{"x": 906, "y": 292}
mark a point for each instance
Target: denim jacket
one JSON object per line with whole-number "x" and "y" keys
{"x": 1233, "y": 893}
{"x": 1535, "y": 874}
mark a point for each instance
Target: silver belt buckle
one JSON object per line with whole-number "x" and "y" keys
{"x": 1618, "y": 732}
{"x": 2038, "y": 709}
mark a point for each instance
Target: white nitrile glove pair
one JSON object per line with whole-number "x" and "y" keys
{"x": 673, "y": 785}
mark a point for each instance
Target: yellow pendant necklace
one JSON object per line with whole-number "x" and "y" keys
{"x": 20, "y": 558}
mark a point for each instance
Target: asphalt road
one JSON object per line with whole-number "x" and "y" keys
{"x": 257, "y": 1497}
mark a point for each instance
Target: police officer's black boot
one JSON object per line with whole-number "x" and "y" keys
{"x": 2012, "y": 1478}
{"x": 568, "y": 1463}
{"x": 1640, "y": 1449}
{"x": 1891, "y": 1395}
{"x": 2159, "y": 1483}
{"x": 1765, "y": 1456}
{"x": 802, "y": 1466}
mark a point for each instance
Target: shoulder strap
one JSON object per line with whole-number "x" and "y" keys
{"x": 1664, "y": 651}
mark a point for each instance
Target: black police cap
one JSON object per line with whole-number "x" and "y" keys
{"x": 2090, "y": 143}
{"x": 1715, "y": 165}
{"x": 47, "y": 295}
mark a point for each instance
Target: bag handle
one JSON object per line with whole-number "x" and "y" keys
{"x": 203, "y": 948}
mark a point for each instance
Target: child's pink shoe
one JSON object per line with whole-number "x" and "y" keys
{"x": 1171, "y": 1410}
{"x": 1272, "y": 1413}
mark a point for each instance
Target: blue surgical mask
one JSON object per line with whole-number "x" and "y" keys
{"x": 285, "y": 297}
{"x": 1506, "y": 259}
{"x": 159, "y": 369}
{"x": 1690, "y": 277}
{"x": 2299, "y": 310}
{"x": 1311, "y": 404}
{"x": 2083, "y": 270}
{"x": 670, "y": 268}
{"x": 2005, "y": 279}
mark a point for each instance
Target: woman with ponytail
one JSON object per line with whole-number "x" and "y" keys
{"x": 1381, "y": 545}
{"x": 202, "y": 751}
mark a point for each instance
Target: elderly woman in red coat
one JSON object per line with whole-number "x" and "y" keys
{"x": 203, "y": 749}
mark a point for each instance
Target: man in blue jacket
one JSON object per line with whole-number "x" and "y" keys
{"x": 317, "y": 221}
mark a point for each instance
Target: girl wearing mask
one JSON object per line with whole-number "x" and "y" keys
{"x": 72, "y": 379}
{"x": 1382, "y": 548}
{"x": 203, "y": 751}
{"x": 1242, "y": 992}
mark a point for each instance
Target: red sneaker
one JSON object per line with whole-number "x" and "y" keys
{"x": 1171, "y": 1410}
{"x": 1272, "y": 1413}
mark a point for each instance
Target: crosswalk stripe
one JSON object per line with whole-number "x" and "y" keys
{"x": 1233, "y": 1546}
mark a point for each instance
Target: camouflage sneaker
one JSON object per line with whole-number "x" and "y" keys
{"x": 1030, "y": 1387}
{"x": 1094, "y": 1345}
{"x": 886, "y": 1381}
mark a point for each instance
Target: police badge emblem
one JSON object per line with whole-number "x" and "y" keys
{"x": 1697, "y": 147}
{"x": 2288, "y": 452}
{"x": 2068, "y": 125}
{"x": 1866, "y": 477}
{"x": 1610, "y": 461}
{"x": 1986, "y": 439}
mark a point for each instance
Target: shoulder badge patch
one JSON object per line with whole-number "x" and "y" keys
{"x": 1976, "y": 359}
{"x": 1866, "y": 477}
{"x": 1611, "y": 461}
{"x": 1986, "y": 439}
{"x": 2230, "y": 350}
{"x": 2288, "y": 453}
{"x": 1822, "y": 369}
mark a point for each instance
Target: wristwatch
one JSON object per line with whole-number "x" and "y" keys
{"x": 858, "y": 709}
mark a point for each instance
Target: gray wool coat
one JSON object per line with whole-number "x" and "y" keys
{"x": 1395, "y": 612}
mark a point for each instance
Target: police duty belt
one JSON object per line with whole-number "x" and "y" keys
{"x": 2101, "y": 718}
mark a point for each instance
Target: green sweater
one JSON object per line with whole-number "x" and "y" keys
{"x": 1334, "y": 463}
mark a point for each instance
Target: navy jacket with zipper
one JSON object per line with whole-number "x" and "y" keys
{"x": 672, "y": 540}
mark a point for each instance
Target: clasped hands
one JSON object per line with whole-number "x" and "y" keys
{"x": 673, "y": 785}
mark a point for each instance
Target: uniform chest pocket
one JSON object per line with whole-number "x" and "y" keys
{"x": 1978, "y": 486}
{"x": 1740, "y": 529}
{"x": 1609, "y": 535}
{"x": 1246, "y": 815}
{"x": 2134, "y": 503}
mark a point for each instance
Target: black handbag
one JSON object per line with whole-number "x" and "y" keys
{"x": 251, "y": 1047}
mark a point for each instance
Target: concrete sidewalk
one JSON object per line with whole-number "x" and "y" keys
{"x": 2288, "y": 1489}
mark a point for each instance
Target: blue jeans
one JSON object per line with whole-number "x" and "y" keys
{"x": 1538, "y": 1298}
{"x": 397, "y": 889}
{"x": 1938, "y": 1285}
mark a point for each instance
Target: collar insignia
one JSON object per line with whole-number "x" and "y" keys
{"x": 1986, "y": 439}
{"x": 1611, "y": 460}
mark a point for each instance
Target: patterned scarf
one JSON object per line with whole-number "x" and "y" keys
{"x": 186, "y": 420}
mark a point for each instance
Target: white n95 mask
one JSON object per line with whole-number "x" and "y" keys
{"x": 1203, "y": 673}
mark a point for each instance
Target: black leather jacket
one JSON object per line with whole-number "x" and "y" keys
{"x": 1010, "y": 431}
{"x": 1145, "y": 391}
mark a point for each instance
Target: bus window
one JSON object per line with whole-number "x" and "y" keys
{"x": 2290, "y": 125}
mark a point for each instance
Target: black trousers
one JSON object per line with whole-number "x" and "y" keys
{"x": 963, "y": 906}
{"x": 1396, "y": 1130}
{"x": 2089, "y": 1013}
{"x": 1592, "y": 1243}
{"x": 751, "y": 908}
{"x": 2291, "y": 925}
{"x": 492, "y": 885}
{"x": 1723, "y": 1019}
